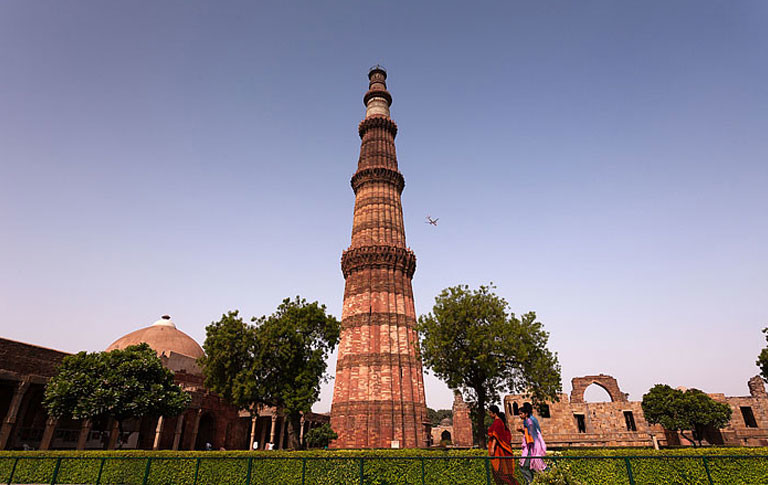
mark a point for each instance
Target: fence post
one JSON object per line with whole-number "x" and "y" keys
{"x": 487, "y": 471}
{"x": 13, "y": 471}
{"x": 197, "y": 469}
{"x": 101, "y": 469}
{"x": 629, "y": 471}
{"x": 423, "y": 478}
{"x": 303, "y": 470}
{"x": 248, "y": 477}
{"x": 706, "y": 467}
{"x": 362, "y": 477}
{"x": 146, "y": 471}
{"x": 56, "y": 470}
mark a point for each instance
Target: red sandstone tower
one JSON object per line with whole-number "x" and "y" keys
{"x": 378, "y": 396}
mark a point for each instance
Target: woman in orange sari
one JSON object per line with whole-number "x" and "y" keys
{"x": 499, "y": 444}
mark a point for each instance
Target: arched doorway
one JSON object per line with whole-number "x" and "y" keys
{"x": 205, "y": 432}
{"x": 595, "y": 392}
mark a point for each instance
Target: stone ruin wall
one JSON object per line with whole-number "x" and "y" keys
{"x": 605, "y": 422}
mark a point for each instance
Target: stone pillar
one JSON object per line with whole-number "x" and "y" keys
{"x": 50, "y": 427}
{"x": 177, "y": 433}
{"x": 272, "y": 429}
{"x": 13, "y": 410}
{"x": 254, "y": 418}
{"x": 263, "y": 441}
{"x": 301, "y": 432}
{"x": 158, "y": 432}
{"x": 655, "y": 442}
{"x": 85, "y": 430}
{"x": 195, "y": 428}
{"x": 757, "y": 387}
{"x": 282, "y": 432}
{"x": 114, "y": 434}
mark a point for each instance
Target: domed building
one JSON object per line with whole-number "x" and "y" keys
{"x": 209, "y": 420}
{"x": 178, "y": 351}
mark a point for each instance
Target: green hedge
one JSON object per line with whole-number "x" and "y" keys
{"x": 593, "y": 466}
{"x": 672, "y": 466}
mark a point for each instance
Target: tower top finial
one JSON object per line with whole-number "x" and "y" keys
{"x": 375, "y": 68}
{"x": 377, "y": 100}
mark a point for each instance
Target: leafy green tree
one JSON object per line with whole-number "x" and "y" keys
{"x": 690, "y": 410}
{"x": 230, "y": 348}
{"x": 279, "y": 361}
{"x": 120, "y": 384}
{"x": 435, "y": 417}
{"x": 474, "y": 343}
{"x": 321, "y": 436}
{"x": 762, "y": 359}
{"x": 293, "y": 347}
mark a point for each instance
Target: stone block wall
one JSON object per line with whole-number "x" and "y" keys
{"x": 605, "y": 423}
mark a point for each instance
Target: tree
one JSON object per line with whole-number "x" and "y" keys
{"x": 690, "y": 410}
{"x": 120, "y": 384}
{"x": 435, "y": 417}
{"x": 473, "y": 343}
{"x": 293, "y": 346}
{"x": 320, "y": 437}
{"x": 762, "y": 359}
{"x": 279, "y": 361}
{"x": 230, "y": 347}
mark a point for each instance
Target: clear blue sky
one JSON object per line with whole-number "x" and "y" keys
{"x": 602, "y": 162}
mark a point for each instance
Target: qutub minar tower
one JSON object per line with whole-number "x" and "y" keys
{"x": 378, "y": 397}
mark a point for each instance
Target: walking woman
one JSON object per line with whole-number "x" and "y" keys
{"x": 533, "y": 444}
{"x": 499, "y": 444}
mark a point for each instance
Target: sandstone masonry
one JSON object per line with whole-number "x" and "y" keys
{"x": 572, "y": 422}
{"x": 378, "y": 397}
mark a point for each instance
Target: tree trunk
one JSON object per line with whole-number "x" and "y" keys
{"x": 691, "y": 439}
{"x": 119, "y": 434}
{"x": 478, "y": 420}
{"x": 114, "y": 434}
{"x": 294, "y": 425}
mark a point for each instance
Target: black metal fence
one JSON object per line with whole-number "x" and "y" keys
{"x": 656, "y": 469}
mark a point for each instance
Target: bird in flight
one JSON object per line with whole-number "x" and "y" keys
{"x": 432, "y": 221}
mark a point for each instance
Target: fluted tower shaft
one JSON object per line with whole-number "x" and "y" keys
{"x": 378, "y": 395}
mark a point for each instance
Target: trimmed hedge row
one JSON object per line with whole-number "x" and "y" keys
{"x": 589, "y": 466}
{"x": 319, "y": 467}
{"x": 671, "y": 466}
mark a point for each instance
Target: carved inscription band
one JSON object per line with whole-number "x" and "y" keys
{"x": 353, "y": 407}
{"x": 373, "y": 256}
{"x": 372, "y": 360}
{"x": 377, "y": 122}
{"x": 378, "y": 319}
{"x": 378, "y": 174}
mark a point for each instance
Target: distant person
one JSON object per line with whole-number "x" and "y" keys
{"x": 500, "y": 445}
{"x": 255, "y": 445}
{"x": 270, "y": 446}
{"x": 533, "y": 444}
{"x": 208, "y": 447}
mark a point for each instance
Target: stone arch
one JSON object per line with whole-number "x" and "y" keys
{"x": 609, "y": 383}
{"x": 596, "y": 392}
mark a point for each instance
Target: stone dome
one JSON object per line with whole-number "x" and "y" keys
{"x": 163, "y": 337}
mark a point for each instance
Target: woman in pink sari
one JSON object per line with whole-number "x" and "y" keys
{"x": 533, "y": 444}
